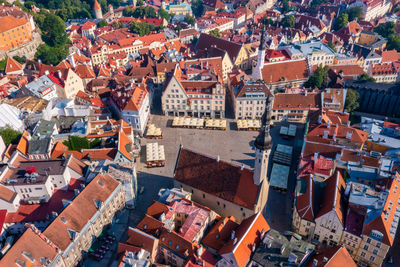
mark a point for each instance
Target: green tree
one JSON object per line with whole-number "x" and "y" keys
{"x": 351, "y": 103}
{"x": 53, "y": 30}
{"x": 316, "y": 3}
{"x": 51, "y": 55}
{"x": 9, "y": 135}
{"x": 386, "y": 29}
{"x": 215, "y": 32}
{"x": 20, "y": 59}
{"x": 355, "y": 13}
{"x": 139, "y": 2}
{"x": 197, "y": 8}
{"x": 28, "y": 4}
{"x": 288, "y": 21}
{"x": 267, "y": 21}
{"x": 102, "y": 23}
{"x": 285, "y": 6}
{"x": 127, "y": 12}
{"x": 143, "y": 28}
{"x": 189, "y": 20}
{"x": 341, "y": 21}
{"x": 3, "y": 64}
{"x": 393, "y": 42}
{"x": 162, "y": 13}
{"x": 366, "y": 77}
{"x": 319, "y": 79}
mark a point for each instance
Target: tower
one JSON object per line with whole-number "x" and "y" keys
{"x": 97, "y": 10}
{"x": 263, "y": 144}
{"x": 257, "y": 70}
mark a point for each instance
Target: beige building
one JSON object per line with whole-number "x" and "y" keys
{"x": 74, "y": 230}
{"x": 195, "y": 92}
{"x": 294, "y": 107}
{"x": 368, "y": 238}
{"x": 249, "y": 99}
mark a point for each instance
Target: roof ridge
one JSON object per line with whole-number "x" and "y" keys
{"x": 247, "y": 231}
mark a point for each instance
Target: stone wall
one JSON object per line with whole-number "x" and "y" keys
{"x": 26, "y": 50}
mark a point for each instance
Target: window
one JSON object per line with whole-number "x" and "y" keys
{"x": 372, "y": 258}
{"x": 218, "y": 203}
{"x": 378, "y": 244}
{"x": 362, "y": 254}
{"x": 375, "y": 251}
{"x": 365, "y": 247}
{"x": 368, "y": 240}
{"x": 204, "y": 195}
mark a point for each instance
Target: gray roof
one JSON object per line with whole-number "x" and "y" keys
{"x": 278, "y": 249}
{"x": 39, "y": 145}
{"x": 45, "y": 128}
{"x": 314, "y": 47}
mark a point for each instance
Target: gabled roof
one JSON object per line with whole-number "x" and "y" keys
{"x": 247, "y": 235}
{"x": 332, "y": 199}
{"x": 296, "y": 101}
{"x": 85, "y": 71}
{"x": 220, "y": 178}
{"x": 207, "y": 41}
{"x": 291, "y": 70}
{"x": 124, "y": 144}
{"x": 77, "y": 214}
{"x": 12, "y": 66}
{"x": 337, "y": 256}
{"x": 7, "y": 194}
{"x": 305, "y": 200}
{"x": 390, "y": 56}
{"x": 139, "y": 238}
{"x": 220, "y": 233}
{"x": 31, "y": 246}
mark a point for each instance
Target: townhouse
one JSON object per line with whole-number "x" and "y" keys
{"x": 317, "y": 53}
{"x": 196, "y": 91}
{"x": 249, "y": 99}
{"x": 285, "y": 74}
{"x": 294, "y": 107}
{"x": 72, "y": 232}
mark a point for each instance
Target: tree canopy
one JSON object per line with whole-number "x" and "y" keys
{"x": 102, "y": 23}
{"x": 189, "y": 20}
{"x": 341, "y": 21}
{"x": 355, "y": 13}
{"x": 351, "y": 103}
{"x": 288, "y": 21}
{"x": 366, "y": 77}
{"x": 143, "y": 28}
{"x": 386, "y": 29}
{"x": 215, "y": 32}
{"x": 164, "y": 14}
{"x": 10, "y": 136}
{"x": 197, "y": 8}
{"x": 319, "y": 79}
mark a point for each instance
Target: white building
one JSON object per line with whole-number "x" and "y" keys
{"x": 133, "y": 106}
{"x": 43, "y": 87}
{"x": 10, "y": 117}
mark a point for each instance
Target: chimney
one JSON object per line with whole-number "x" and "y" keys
{"x": 326, "y": 134}
{"x": 242, "y": 167}
{"x": 315, "y": 263}
{"x": 46, "y": 72}
{"x": 59, "y": 74}
{"x": 217, "y": 158}
{"x": 325, "y": 259}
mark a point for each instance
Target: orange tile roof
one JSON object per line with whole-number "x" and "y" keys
{"x": 10, "y": 22}
{"x": 96, "y": 5}
{"x": 172, "y": 240}
{"x": 124, "y": 142}
{"x": 12, "y": 65}
{"x": 247, "y": 235}
{"x": 23, "y": 143}
{"x": 220, "y": 233}
{"x": 390, "y": 56}
{"x": 7, "y": 194}
{"x": 156, "y": 209}
{"x": 150, "y": 225}
{"x": 85, "y": 71}
{"x": 141, "y": 239}
{"x": 337, "y": 257}
{"x": 77, "y": 214}
{"x": 338, "y": 131}
{"x": 305, "y": 201}
{"x": 285, "y": 71}
{"x": 380, "y": 223}
{"x": 29, "y": 245}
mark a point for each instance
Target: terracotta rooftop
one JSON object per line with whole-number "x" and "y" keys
{"x": 296, "y": 101}
{"x": 337, "y": 256}
{"x": 285, "y": 71}
{"x": 220, "y": 178}
{"x": 7, "y": 194}
{"x": 77, "y": 214}
{"x": 12, "y": 65}
{"x": 220, "y": 233}
{"x": 10, "y": 22}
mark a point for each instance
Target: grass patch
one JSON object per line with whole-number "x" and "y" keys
{"x": 78, "y": 143}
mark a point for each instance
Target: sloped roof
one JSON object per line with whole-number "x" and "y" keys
{"x": 220, "y": 233}
{"x": 77, "y": 214}
{"x": 337, "y": 256}
{"x": 297, "y": 101}
{"x": 220, "y": 178}
{"x": 285, "y": 71}
{"x": 33, "y": 244}
{"x": 12, "y": 65}
{"x": 207, "y": 41}
{"x": 247, "y": 235}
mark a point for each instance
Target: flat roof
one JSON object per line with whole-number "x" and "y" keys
{"x": 279, "y": 176}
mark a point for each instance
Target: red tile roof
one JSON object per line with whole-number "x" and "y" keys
{"x": 280, "y": 71}
{"x": 296, "y": 101}
{"x": 220, "y": 178}
{"x": 7, "y": 194}
{"x": 305, "y": 201}
{"x": 220, "y": 233}
{"x": 390, "y": 56}
{"x": 338, "y": 131}
{"x": 12, "y": 65}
